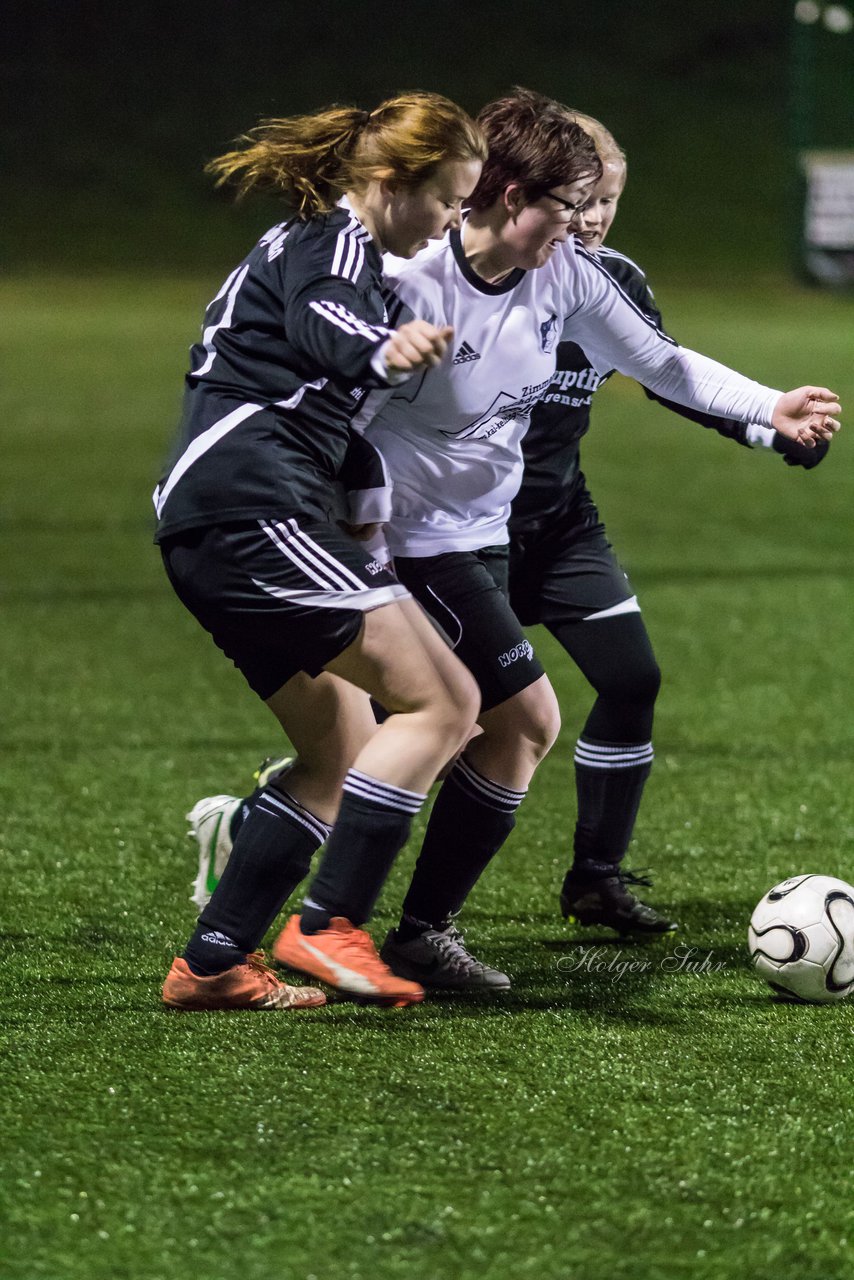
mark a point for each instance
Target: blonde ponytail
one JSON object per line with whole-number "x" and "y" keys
{"x": 311, "y": 160}
{"x": 301, "y": 157}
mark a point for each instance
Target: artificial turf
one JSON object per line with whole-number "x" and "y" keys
{"x": 620, "y": 1114}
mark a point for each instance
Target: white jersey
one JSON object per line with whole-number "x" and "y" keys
{"x": 451, "y": 436}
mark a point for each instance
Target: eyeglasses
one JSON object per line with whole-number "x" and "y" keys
{"x": 566, "y": 205}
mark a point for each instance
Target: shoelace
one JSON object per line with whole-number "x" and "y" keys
{"x": 258, "y": 961}
{"x": 638, "y": 877}
{"x": 450, "y": 945}
{"x": 363, "y": 944}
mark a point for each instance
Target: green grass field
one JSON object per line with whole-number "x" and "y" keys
{"x": 642, "y": 1122}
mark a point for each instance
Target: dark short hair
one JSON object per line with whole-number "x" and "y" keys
{"x": 535, "y": 142}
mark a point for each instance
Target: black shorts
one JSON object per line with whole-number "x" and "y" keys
{"x": 465, "y": 592}
{"x": 278, "y": 596}
{"x": 566, "y": 570}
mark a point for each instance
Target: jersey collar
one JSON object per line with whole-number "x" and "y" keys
{"x": 482, "y": 286}
{"x": 344, "y": 203}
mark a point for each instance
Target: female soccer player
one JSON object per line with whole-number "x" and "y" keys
{"x": 245, "y": 529}
{"x": 564, "y": 574}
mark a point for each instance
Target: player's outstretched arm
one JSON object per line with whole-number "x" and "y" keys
{"x": 615, "y": 335}
{"x": 807, "y": 415}
{"x": 415, "y": 345}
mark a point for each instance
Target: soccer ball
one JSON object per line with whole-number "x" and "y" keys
{"x": 801, "y": 938}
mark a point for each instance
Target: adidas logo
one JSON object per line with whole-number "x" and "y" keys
{"x": 465, "y": 354}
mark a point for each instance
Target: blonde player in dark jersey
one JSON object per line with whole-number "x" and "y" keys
{"x": 245, "y": 528}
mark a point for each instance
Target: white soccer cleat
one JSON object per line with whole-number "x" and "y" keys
{"x": 210, "y": 825}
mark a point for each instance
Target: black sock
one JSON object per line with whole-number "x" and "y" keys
{"x": 410, "y": 927}
{"x": 271, "y": 855}
{"x": 471, "y": 819}
{"x": 242, "y": 812}
{"x": 610, "y": 779}
{"x": 247, "y": 804}
{"x": 372, "y": 827}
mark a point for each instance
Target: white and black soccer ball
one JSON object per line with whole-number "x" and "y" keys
{"x": 801, "y": 938}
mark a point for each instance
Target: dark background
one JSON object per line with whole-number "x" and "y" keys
{"x": 112, "y": 110}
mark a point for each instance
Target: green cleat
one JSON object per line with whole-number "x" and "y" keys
{"x": 270, "y": 768}
{"x": 211, "y": 823}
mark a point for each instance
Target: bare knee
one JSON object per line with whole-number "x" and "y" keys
{"x": 518, "y": 733}
{"x": 458, "y": 709}
{"x": 543, "y": 732}
{"x": 538, "y": 725}
{"x": 447, "y": 706}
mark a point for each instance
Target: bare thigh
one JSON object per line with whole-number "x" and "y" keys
{"x": 402, "y": 662}
{"x": 328, "y": 721}
{"x": 399, "y": 659}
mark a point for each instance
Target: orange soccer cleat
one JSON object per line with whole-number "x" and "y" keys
{"x": 249, "y": 985}
{"x": 345, "y": 957}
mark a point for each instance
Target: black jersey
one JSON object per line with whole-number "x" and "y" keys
{"x": 551, "y": 444}
{"x": 290, "y": 338}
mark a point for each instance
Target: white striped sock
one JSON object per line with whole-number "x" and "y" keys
{"x": 383, "y": 794}
{"x": 597, "y": 755}
{"x": 277, "y": 804}
{"x": 484, "y": 790}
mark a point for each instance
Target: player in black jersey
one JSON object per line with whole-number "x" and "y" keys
{"x": 247, "y": 532}
{"x": 564, "y": 574}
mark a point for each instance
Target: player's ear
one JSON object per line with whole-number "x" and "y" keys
{"x": 389, "y": 183}
{"x": 514, "y": 199}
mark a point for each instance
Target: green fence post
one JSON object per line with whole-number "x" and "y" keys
{"x": 821, "y": 125}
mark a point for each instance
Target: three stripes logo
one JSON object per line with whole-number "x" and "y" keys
{"x": 465, "y": 354}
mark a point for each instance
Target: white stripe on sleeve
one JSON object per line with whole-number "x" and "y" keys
{"x": 338, "y": 315}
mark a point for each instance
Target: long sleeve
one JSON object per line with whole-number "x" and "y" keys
{"x": 616, "y": 334}
{"x": 331, "y": 298}
{"x": 325, "y": 323}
